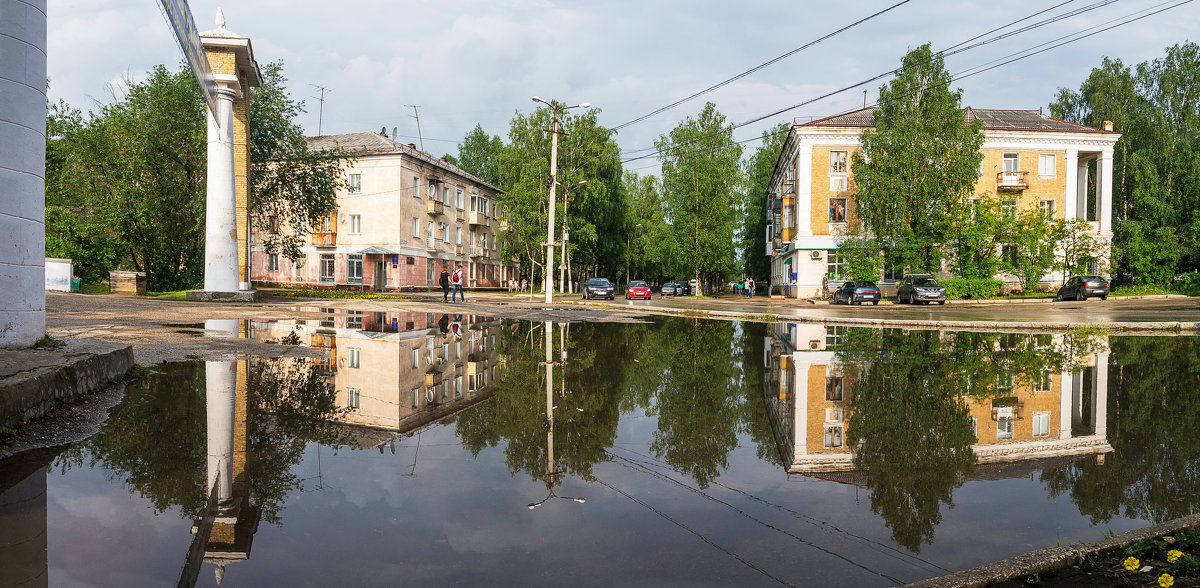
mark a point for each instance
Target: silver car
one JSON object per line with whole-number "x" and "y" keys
{"x": 920, "y": 289}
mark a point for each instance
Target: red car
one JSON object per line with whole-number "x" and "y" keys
{"x": 637, "y": 289}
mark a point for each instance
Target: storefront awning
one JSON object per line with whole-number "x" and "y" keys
{"x": 788, "y": 260}
{"x": 374, "y": 250}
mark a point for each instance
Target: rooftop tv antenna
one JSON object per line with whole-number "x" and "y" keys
{"x": 321, "y": 101}
{"x": 418, "y": 117}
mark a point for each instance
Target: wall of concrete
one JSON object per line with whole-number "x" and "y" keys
{"x": 22, "y": 171}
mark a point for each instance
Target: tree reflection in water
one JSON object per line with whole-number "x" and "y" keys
{"x": 156, "y": 441}
{"x": 1154, "y": 414}
{"x": 910, "y": 426}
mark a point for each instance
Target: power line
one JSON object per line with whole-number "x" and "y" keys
{"x": 1069, "y": 38}
{"x": 760, "y": 66}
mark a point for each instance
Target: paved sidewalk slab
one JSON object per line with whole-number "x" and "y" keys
{"x": 34, "y": 381}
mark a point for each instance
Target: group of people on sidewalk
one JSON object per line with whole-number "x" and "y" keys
{"x": 447, "y": 279}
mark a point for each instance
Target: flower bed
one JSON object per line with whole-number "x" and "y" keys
{"x": 1165, "y": 562}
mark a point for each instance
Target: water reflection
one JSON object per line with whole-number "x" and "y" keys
{"x": 911, "y": 415}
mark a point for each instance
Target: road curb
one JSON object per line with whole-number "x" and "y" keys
{"x": 34, "y": 381}
{"x": 1051, "y": 559}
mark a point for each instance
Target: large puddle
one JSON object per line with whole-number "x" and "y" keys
{"x": 465, "y": 450}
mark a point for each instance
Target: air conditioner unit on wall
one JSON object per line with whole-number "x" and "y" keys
{"x": 816, "y": 254}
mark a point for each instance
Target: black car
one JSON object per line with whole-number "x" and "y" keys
{"x": 857, "y": 292}
{"x": 920, "y": 289}
{"x": 599, "y": 288}
{"x": 1082, "y": 288}
{"x": 682, "y": 289}
{"x": 668, "y": 289}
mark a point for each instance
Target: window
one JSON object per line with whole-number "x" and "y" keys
{"x": 1005, "y": 384}
{"x": 355, "y": 183}
{"x": 834, "y": 387}
{"x": 326, "y": 267}
{"x": 833, "y": 436}
{"x": 1008, "y": 209}
{"x": 352, "y": 397}
{"x": 835, "y": 265}
{"x": 1009, "y": 254}
{"x": 352, "y": 357}
{"x": 429, "y": 231}
{"x": 273, "y": 224}
{"x": 458, "y": 236}
{"x": 416, "y": 397}
{"x": 458, "y": 198}
{"x": 972, "y": 208}
{"x": 272, "y": 262}
{"x": 301, "y": 266}
{"x": 355, "y": 224}
{"x": 975, "y": 428}
{"x": 837, "y": 210}
{"x": 354, "y": 320}
{"x": 1004, "y": 423}
{"x": 1012, "y": 169}
{"x": 838, "y": 161}
{"x": 1043, "y": 381}
{"x": 446, "y": 232}
{"x": 354, "y": 270}
{"x": 446, "y": 196}
{"x": 416, "y": 358}
{"x": 416, "y": 228}
{"x": 1041, "y": 424}
{"x": 788, "y": 216}
{"x": 1046, "y": 165}
{"x": 416, "y": 187}
{"x": 1046, "y": 209}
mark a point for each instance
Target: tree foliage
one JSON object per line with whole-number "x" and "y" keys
{"x": 702, "y": 183}
{"x": 479, "y": 154}
{"x": 919, "y": 162}
{"x": 1156, "y": 164}
{"x": 126, "y": 187}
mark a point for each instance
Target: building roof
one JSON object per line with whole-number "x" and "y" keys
{"x": 367, "y": 144}
{"x": 998, "y": 120}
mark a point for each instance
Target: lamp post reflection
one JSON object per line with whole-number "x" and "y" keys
{"x": 551, "y": 474}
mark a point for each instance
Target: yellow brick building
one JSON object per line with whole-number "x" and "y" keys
{"x": 1029, "y": 161}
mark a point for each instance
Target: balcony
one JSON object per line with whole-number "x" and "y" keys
{"x": 1011, "y": 181}
{"x": 477, "y": 218}
{"x": 434, "y": 207}
{"x": 478, "y": 252}
{"x": 431, "y": 245}
{"x": 324, "y": 239}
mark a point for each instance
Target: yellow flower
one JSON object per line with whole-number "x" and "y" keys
{"x": 1132, "y": 564}
{"x": 1174, "y": 555}
{"x": 1166, "y": 581}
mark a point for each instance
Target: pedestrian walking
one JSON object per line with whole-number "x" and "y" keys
{"x": 750, "y": 287}
{"x": 456, "y": 280}
{"x": 444, "y": 281}
{"x": 825, "y": 287}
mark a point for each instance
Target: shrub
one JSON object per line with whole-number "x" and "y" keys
{"x": 972, "y": 288}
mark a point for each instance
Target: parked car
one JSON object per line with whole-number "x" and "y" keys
{"x": 668, "y": 289}
{"x": 920, "y": 288}
{"x": 637, "y": 289}
{"x": 598, "y": 288}
{"x": 857, "y": 292}
{"x": 1082, "y": 288}
{"x": 681, "y": 289}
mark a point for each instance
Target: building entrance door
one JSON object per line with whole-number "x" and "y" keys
{"x": 430, "y": 266}
{"x": 380, "y": 275}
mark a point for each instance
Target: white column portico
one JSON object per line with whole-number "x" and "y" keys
{"x": 22, "y": 172}
{"x": 1104, "y": 170}
{"x": 220, "y": 234}
{"x": 1071, "y": 190}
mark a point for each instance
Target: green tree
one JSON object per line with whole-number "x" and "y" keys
{"x": 1029, "y": 247}
{"x": 1078, "y": 249}
{"x": 975, "y": 240}
{"x": 479, "y": 154}
{"x": 860, "y": 257}
{"x": 919, "y": 162}
{"x": 290, "y": 186}
{"x": 701, "y": 179}
{"x": 759, "y": 169}
{"x": 645, "y": 227}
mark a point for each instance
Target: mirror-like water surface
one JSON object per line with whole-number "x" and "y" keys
{"x": 468, "y": 450}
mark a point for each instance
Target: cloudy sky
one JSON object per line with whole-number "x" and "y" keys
{"x": 475, "y": 62}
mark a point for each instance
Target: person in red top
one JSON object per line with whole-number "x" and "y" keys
{"x": 456, "y": 279}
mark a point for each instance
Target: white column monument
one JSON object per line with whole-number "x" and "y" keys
{"x": 22, "y": 172}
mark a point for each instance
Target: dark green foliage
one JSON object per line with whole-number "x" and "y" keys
{"x": 479, "y": 154}
{"x": 972, "y": 288}
{"x": 701, "y": 181}
{"x": 1156, "y": 164}
{"x": 918, "y": 164}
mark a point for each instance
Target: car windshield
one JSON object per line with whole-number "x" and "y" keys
{"x": 925, "y": 282}
{"x": 598, "y": 282}
{"x": 637, "y": 284}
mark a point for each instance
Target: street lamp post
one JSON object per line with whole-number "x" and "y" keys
{"x": 549, "y": 265}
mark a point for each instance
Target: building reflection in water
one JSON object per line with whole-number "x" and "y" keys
{"x": 1020, "y": 413}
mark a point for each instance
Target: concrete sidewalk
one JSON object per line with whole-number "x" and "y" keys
{"x": 34, "y": 381}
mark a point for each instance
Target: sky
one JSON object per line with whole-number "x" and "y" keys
{"x": 472, "y": 62}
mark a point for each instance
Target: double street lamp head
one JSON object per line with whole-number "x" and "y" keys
{"x": 583, "y": 105}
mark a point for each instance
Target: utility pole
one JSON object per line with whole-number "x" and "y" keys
{"x": 321, "y": 102}
{"x": 418, "y": 117}
{"x": 549, "y": 266}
